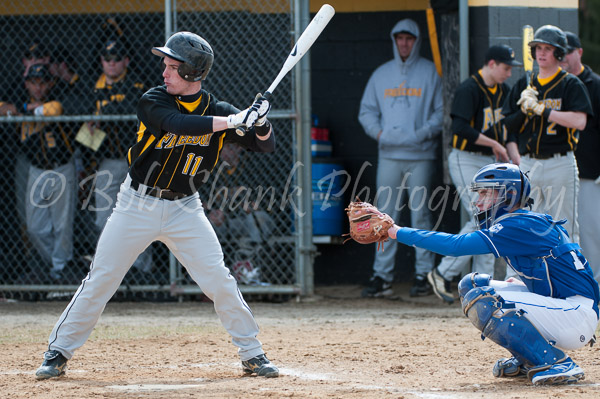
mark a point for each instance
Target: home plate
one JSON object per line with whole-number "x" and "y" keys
{"x": 151, "y": 387}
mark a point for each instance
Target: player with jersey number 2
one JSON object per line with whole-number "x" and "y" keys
{"x": 544, "y": 119}
{"x": 552, "y": 307}
{"x": 181, "y": 132}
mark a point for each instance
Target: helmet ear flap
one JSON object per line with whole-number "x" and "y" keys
{"x": 532, "y": 48}
{"x": 559, "y": 54}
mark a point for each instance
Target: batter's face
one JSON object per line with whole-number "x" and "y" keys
{"x": 38, "y": 88}
{"x": 544, "y": 55}
{"x": 405, "y": 43}
{"x": 176, "y": 85}
{"x": 500, "y": 71}
{"x": 113, "y": 66}
{"x": 486, "y": 199}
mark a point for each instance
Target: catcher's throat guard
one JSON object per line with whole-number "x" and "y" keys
{"x": 367, "y": 223}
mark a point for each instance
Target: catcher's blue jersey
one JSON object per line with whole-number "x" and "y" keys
{"x": 534, "y": 245}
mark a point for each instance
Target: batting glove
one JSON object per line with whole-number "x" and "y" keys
{"x": 527, "y": 104}
{"x": 530, "y": 92}
{"x": 246, "y": 118}
{"x": 264, "y": 106}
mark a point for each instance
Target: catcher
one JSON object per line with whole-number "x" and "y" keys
{"x": 554, "y": 305}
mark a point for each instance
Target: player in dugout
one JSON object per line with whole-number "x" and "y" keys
{"x": 553, "y": 304}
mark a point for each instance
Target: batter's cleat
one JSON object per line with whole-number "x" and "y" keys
{"x": 440, "y": 286}
{"x": 509, "y": 367}
{"x": 260, "y": 366}
{"x": 54, "y": 365}
{"x": 421, "y": 286}
{"x": 377, "y": 288}
{"x": 565, "y": 372}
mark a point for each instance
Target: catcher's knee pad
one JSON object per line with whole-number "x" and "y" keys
{"x": 512, "y": 330}
{"x": 472, "y": 280}
{"x": 479, "y": 304}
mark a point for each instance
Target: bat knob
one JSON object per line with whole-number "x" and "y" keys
{"x": 240, "y": 130}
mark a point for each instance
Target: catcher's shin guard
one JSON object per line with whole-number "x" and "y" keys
{"x": 510, "y": 328}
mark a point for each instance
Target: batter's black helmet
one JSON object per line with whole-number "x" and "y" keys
{"x": 550, "y": 34}
{"x": 195, "y": 53}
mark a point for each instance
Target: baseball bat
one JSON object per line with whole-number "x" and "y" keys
{"x": 527, "y": 58}
{"x": 305, "y": 41}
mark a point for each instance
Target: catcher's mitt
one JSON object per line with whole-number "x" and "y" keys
{"x": 367, "y": 223}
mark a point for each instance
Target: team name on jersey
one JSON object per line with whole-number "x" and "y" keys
{"x": 402, "y": 91}
{"x": 491, "y": 116}
{"x": 553, "y": 103}
{"x": 171, "y": 140}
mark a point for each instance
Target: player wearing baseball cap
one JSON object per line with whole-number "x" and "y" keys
{"x": 588, "y": 161}
{"x": 182, "y": 129}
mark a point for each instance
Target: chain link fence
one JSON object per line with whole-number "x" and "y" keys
{"x": 72, "y": 75}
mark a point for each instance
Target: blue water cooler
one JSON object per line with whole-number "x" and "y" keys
{"x": 328, "y": 177}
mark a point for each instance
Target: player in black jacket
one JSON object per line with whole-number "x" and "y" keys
{"x": 181, "y": 133}
{"x": 588, "y": 161}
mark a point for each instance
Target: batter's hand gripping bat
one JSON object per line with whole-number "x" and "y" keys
{"x": 305, "y": 41}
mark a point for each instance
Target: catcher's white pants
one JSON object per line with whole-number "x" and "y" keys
{"x": 589, "y": 223}
{"x": 569, "y": 323}
{"x": 136, "y": 222}
{"x": 554, "y": 188}
{"x": 463, "y": 165}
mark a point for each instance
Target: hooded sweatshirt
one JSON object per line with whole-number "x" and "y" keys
{"x": 403, "y": 100}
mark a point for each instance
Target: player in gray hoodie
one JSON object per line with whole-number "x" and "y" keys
{"x": 402, "y": 108}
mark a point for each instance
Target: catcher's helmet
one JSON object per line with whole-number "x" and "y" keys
{"x": 552, "y": 35}
{"x": 193, "y": 51}
{"x": 513, "y": 189}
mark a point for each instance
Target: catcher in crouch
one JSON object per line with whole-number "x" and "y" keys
{"x": 554, "y": 305}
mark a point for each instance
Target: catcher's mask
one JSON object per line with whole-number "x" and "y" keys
{"x": 501, "y": 188}
{"x": 192, "y": 50}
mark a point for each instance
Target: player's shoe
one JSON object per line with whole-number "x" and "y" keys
{"x": 565, "y": 372}
{"x": 54, "y": 365}
{"x": 260, "y": 366}
{"x": 421, "y": 286}
{"x": 377, "y": 288}
{"x": 441, "y": 286}
{"x": 509, "y": 367}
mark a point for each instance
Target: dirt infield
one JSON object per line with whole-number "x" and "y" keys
{"x": 337, "y": 346}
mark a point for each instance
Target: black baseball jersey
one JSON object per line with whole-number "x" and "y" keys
{"x": 47, "y": 145}
{"x": 588, "y": 148}
{"x": 118, "y": 98}
{"x": 477, "y": 109}
{"x": 176, "y": 148}
{"x": 537, "y": 135}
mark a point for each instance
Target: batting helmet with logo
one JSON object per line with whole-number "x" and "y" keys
{"x": 192, "y": 50}
{"x": 552, "y": 35}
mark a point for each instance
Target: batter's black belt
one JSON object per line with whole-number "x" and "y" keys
{"x": 158, "y": 192}
{"x": 548, "y": 156}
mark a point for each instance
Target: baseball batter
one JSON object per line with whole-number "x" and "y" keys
{"x": 545, "y": 119}
{"x": 181, "y": 132}
{"x": 554, "y": 305}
